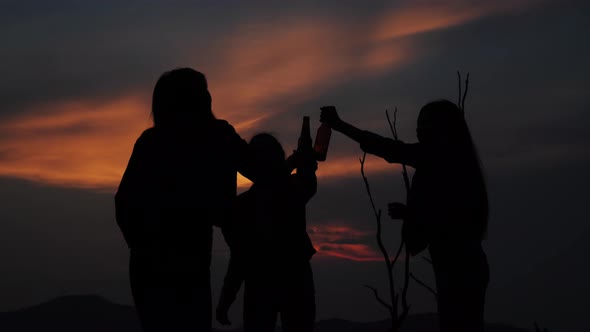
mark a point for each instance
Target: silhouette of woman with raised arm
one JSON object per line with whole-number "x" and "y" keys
{"x": 179, "y": 182}
{"x": 447, "y": 208}
{"x": 270, "y": 247}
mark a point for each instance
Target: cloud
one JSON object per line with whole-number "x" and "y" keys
{"x": 343, "y": 241}
{"x": 415, "y": 17}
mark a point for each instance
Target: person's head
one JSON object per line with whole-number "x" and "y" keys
{"x": 268, "y": 156}
{"x": 181, "y": 97}
{"x": 441, "y": 123}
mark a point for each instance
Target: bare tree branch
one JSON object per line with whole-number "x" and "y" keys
{"x": 465, "y": 94}
{"x": 405, "y": 305}
{"x": 368, "y": 188}
{"x": 423, "y": 284}
{"x": 393, "y": 127}
{"x": 391, "y": 282}
{"x": 397, "y": 254}
{"x": 379, "y": 299}
{"x": 459, "y": 81}
{"x": 404, "y": 295}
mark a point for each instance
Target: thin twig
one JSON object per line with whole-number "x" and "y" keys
{"x": 465, "y": 94}
{"x": 427, "y": 259}
{"x": 379, "y": 299}
{"x": 405, "y": 305}
{"x": 423, "y": 284}
{"x": 399, "y": 251}
{"x": 393, "y": 127}
{"x": 367, "y": 187}
{"x": 459, "y": 81}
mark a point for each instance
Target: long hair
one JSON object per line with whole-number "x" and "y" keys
{"x": 448, "y": 117}
{"x": 181, "y": 97}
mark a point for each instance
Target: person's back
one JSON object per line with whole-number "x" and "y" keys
{"x": 190, "y": 180}
{"x": 179, "y": 182}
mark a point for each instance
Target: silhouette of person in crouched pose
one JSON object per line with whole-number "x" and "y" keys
{"x": 270, "y": 247}
{"x": 447, "y": 207}
{"x": 180, "y": 181}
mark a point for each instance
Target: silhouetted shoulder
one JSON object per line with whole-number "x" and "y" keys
{"x": 225, "y": 129}
{"x": 146, "y": 138}
{"x": 235, "y": 146}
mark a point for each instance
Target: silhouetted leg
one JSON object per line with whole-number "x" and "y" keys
{"x": 188, "y": 293}
{"x": 462, "y": 276}
{"x": 171, "y": 293}
{"x": 475, "y": 278}
{"x": 260, "y": 305}
{"x": 298, "y": 309}
{"x": 146, "y": 290}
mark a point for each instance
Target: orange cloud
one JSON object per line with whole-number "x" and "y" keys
{"x": 77, "y": 143}
{"x": 87, "y": 144}
{"x": 342, "y": 242}
{"x": 263, "y": 70}
{"x": 268, "y": 67}
{"x": 424, "y": 16}
{"x": 80, "y": 143}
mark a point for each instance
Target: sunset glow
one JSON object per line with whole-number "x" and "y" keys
{"x": 262, "y": 71}
{"x": 86, "y": 143}
{"x": 342, "y": 242}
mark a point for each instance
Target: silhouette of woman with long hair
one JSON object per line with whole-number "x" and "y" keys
{"x": 180, "y": 181}
{"x": 270, "y": 247}
{"x": 447, "y": 207}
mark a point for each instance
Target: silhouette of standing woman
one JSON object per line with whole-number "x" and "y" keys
{"x": 447, "y": 208}
{"x": 180, "y": 181}
{"x": 270, "y": 247}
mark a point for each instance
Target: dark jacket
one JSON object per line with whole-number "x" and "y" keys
{"x": 178, "y": 184}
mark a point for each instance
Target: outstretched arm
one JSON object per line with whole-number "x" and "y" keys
{"x": 330, "y": 116}
{"x": 393, "y": 151}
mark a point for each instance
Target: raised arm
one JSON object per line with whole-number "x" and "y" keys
{"x": 393, "y": 151}
{"x": 305, "y": 175}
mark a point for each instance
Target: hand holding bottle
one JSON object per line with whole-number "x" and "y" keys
{"x": 329, "y": 116}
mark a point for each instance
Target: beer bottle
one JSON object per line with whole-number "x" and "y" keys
{"x": 304, "y": 142}
{"x": 322, "y": 140}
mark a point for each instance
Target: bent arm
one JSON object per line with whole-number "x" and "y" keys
{"x": 307, "y": 181}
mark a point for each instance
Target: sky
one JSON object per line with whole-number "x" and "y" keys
{"x": 75, "y": 94}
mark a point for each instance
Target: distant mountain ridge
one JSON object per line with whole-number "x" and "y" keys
{"x": 91, "y": 313}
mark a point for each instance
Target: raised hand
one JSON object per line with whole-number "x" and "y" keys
{"x": 329, "y": 115}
